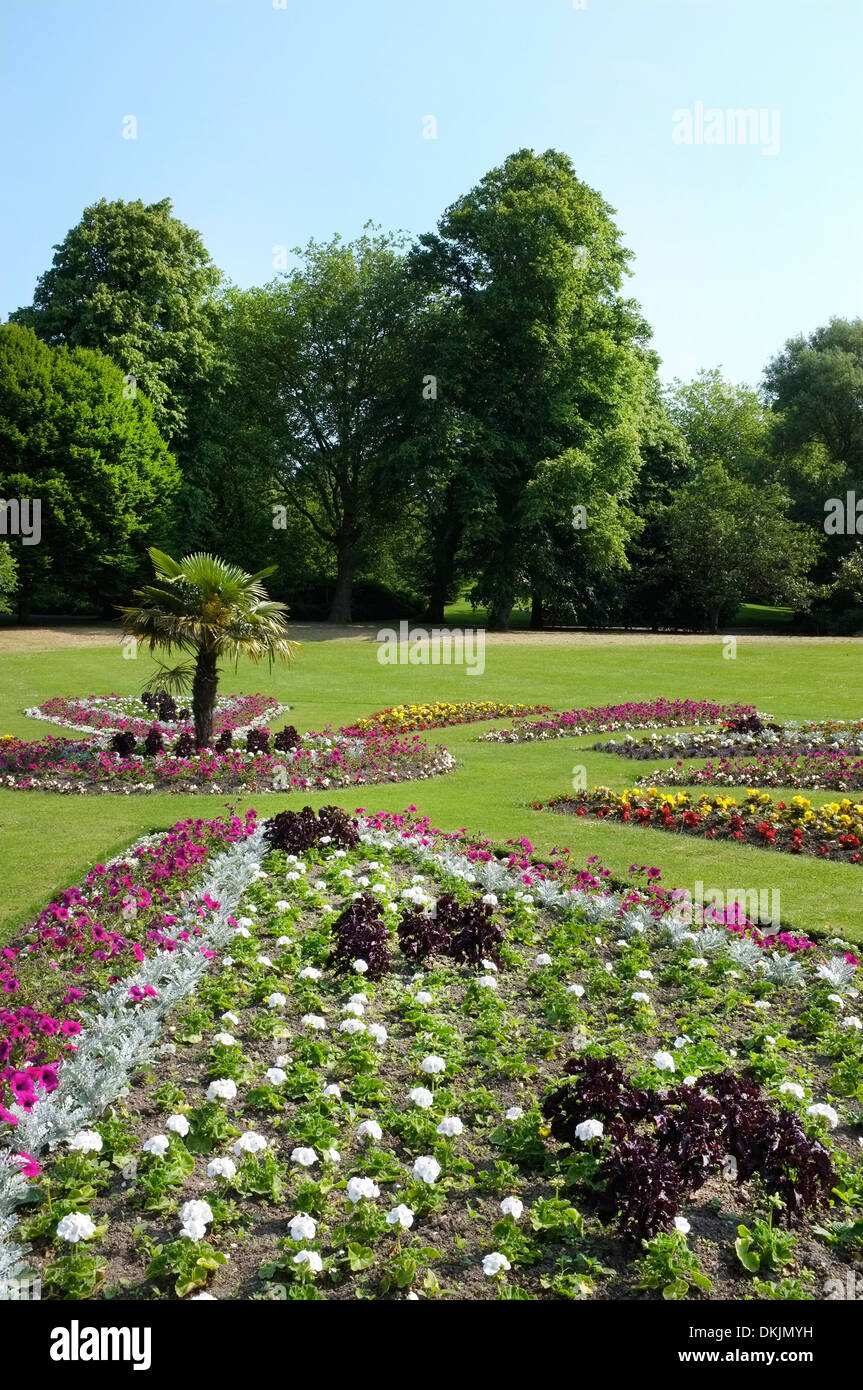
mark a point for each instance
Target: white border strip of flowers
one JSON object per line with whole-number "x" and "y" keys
{"x": 105, "y": 735}
{"x": 119, "y": 1036}
{"x": 601, "y": 909}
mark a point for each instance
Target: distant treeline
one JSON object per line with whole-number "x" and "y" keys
{"x": 393, "y": 424}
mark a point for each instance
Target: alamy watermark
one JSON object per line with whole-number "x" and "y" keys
{"x": 844, "y": 515}
{"x": 437, "y": 646}
{"x": 21, "y": 517}
{"x": 760, "y": 906}
{"x": 736, "y": 126}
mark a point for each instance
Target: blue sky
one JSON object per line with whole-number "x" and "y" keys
{"x": 268, "y": 126}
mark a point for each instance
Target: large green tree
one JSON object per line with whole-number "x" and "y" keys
{"x": 135, "y": 282}
{"x": 728, "y": 541}
{"x": 815, "y": 385}
{"x": 722, "y": 422}
{"x": 533, "y": 263}
{"x": 331, "y": 346}
{"x": 71, "y": 438}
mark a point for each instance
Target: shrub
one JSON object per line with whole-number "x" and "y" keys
{"x": 361, "y": 934}
{"x": 124, "y": 744}
{"x": 154, "y": 742}
{"x": 258, "y": 741}
{"x": 286, "y": 740}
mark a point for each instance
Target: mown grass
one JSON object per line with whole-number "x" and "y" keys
{"x": 48, "y": 842}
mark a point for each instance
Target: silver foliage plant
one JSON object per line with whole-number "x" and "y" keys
{"x": 120, "y": 1035}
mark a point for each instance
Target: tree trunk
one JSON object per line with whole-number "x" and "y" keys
{"x": 537, "y": 614}
{"x": 340, "y": 607}
{"x": 204, "y": 688}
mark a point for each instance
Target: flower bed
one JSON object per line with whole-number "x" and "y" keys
{"x": 822, "y": 767}
{"x": 365, "y": 1098}
{"x": 832, "y": 831}
{"x": 827, "y": 735}
{"x": 319, "y": 761}
{"x": 441, "y": 714}
{"x": 645, "y": 714}
{"x": 109, "y": 714}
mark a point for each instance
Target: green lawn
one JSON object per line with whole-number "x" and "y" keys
{"x": 48, "y": 842}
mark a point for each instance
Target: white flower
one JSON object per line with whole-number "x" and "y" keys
{"x": 490, "y": 899}
{"x": 511, "y": 1206}
{"x": 689, "y": 1080}
{"x": 427, "y": 1169}
{"x": 824, "y": 1112}
{"x": 352, "y": 1025}
{"x": 487, "y": 982}
{"x": 640, "y": 998}
{"x": 852, "y": 1021}
{"x": 450, "y": 1126}
{"x": 577, "y": 990}
{"x": 378, "y": 1032}
{"x": 225, "y": 1039}
{"x": 276, "y": 1000}
{"x": 86, "y": 1141}
{"x": 370, "y": 1129}
{"x": 494, "y": 1264}
{"x": 157, "y": 1144}
{"x": 401, "y": 1216}
{"x": 250, "y": 1143}
{"x": 196, "y": 1211}
{"x": 489, "y": 965}
{"x": 177, "y": 1124}
{"x": 283, "y": 1060}
{"x": 203, "y": 1297}
{"x": 283, "y": 941}
{"x": 432, "y": 1065}
{"x": 761, "y": 1004}
{"x": 221, "y": 1090}
{"x": 514, "y": 1112}
{"x": 580, "y": 1041}
{"x": 697, "y": 963}
{"x": 542, "y": 959}
{"x": 276, "y": 1076}
{"x": 311, "y": 1259}
{"x": 305, "y": 1157}
{"x": 76, "y": 1226}
{"x": 221, "y": 1168}
{"x": 361, "y": 967}
{"x": 193, "y": 1229}
{"x": 421, "y": 1097}
{"x": 310, "y": 973}
{"x": 356, "y": 1010}
{"x": 332, "y": 1155}
{"x": 588, "y": 1130}
{"x": 792, "y": 1088}
{"x": 682, "y": 1041}
{"x": 302, "y": 1227}
{"x": 645, "y": 974}
{"x": 422, "y": 996}
{"x": 313, "y": 1021}
{"x": 682, "y": 1225}
{"x": 229, "y": 1017}
{"x": 263, "y": 960}
{"x": 283, "y": 905}
{"x": 663, "y": 1061}
{"x": 334, "y": 1090}
{"x": 360, "y": 1188}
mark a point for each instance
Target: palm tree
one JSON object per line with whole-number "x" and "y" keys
{"x": 212, "y": 610}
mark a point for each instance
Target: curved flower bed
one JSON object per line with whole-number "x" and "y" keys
{"x": 446, "y": 1110}
{"x": 832, "y": 831}
{"x": 441, "y": 714}
{"x": 644, "y": 714}
{"x": 110, "y": 714}
{"x": 824, "y": 768}
{"x": 827, "y": 735}
{"x": 321, "y": 761}
{"x": 87, "y": 939}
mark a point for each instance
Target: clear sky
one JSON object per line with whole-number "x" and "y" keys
{"x": 268, "y": 126}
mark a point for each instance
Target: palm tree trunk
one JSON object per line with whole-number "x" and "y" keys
{"x": 204, "y": 688}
